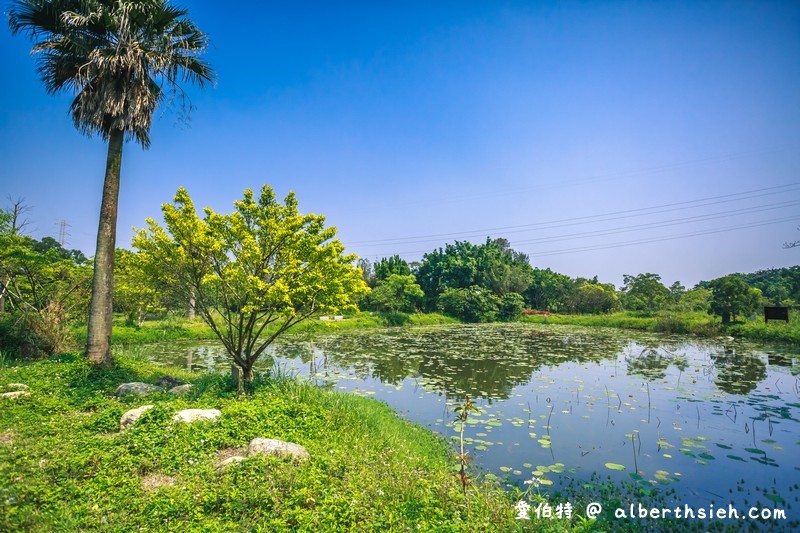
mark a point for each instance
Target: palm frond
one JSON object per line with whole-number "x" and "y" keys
{"x": 121, "y": 58}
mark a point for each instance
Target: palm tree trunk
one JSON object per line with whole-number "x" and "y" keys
{"x": 98, "y": 343}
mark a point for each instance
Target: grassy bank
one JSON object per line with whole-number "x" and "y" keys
{"x": 66, "y": 465}
{"x": 700, "y": 324}
{"x": 688, "y": 323}
{"x": 182, "y": 329}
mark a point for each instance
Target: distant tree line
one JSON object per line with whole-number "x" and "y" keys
{"x": 491, "y": 281}
{"x": 45, "y": 287}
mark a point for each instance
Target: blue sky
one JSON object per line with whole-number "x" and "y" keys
{"x": 410, "y": 125}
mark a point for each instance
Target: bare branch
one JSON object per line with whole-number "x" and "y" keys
{"x": 17, "y": 209}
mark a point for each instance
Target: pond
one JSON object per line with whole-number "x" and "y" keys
{"x": 682, "y": 420}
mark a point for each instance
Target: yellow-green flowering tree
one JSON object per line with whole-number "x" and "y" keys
{"x": 134, "y": 295}
{"x": 255, "y": 272}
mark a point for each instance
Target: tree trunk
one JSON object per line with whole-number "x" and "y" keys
{"x": 98, "y": 343}
{"x": 3, "y": 290}
{"x": 191, "y": 314}
{"x": 240, "y": 377}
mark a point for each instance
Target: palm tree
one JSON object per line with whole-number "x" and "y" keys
{"x": 121, "y": 58}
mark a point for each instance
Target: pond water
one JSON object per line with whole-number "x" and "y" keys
{"x": 686, "y": 421}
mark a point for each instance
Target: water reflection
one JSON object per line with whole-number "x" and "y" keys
{"x": 706, "y": 414}
{"x": 476, "y": 361}
{"x": 738, "y": 371}
{"x": 490, "y": 361}
{"x": 792, "y": 362}
{"x": 649, "y": 363}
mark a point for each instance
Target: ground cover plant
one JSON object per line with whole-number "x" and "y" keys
{"x": 694, "y": 323}
{"x": 66, "y": 465}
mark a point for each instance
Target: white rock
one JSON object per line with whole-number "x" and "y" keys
{"x": 136, "y": 387}
{"x": 15, "y": 394}
{"x": 181, "y": 389}
{"x": 193, "y": 415}
{"x": 18, "y": 386}
{"x": 132, "y": 416}
{"x": 276, "y": 447}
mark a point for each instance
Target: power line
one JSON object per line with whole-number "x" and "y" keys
{"x": 611, "y": 176}
{"x": 660, "y": 239}
{"x": 603, "y": 217}
{"x": 660, "y": 224}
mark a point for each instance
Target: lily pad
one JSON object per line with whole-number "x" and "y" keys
{"x": 774, "y": 498}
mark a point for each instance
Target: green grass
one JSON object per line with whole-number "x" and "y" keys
{"x": 681, "y": 322}
{"x": 182, "y": 329}
{"x": 697, "y": 323}
{"x": 151, "y": 331}
{"x": 65, "y": 465}
{"x": 771, "y": 331}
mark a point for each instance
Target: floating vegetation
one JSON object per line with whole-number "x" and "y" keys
{"x": 680, "y": 419}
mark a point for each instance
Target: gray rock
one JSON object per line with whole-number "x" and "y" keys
{"x": 229, "y": 461}
{"x": 15, "y": 394}
{"x": 193, "y": 415}
{"x": 137, "y": 387}
{"x": 181, "y": 389}
{"x": 277, "y": 447}
{"x": 133, "y": 416}
{"x": 168, "y": 382}
{"x": 17, "y": 386}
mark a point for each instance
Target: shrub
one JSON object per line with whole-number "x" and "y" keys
{"x": 395, "y": 318}
{"x": 511, "y": 306}
{"x": 473, "y": 304}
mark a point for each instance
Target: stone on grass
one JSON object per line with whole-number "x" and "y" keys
{"x": 234, "y": 459}
{"x": 136, "y": 387}
{"x": 181, "y": 389}
{"x": 7, "y": 437}
{"x": 277, "y": 447}
{"x": 168, "y": 382}
{"x": 156, "y": 481}
{"x": 15, "y": 394}
{"x": 193, "y": 415}
{"x": 132, "y": 416}
{"x": 17, "y": 386}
